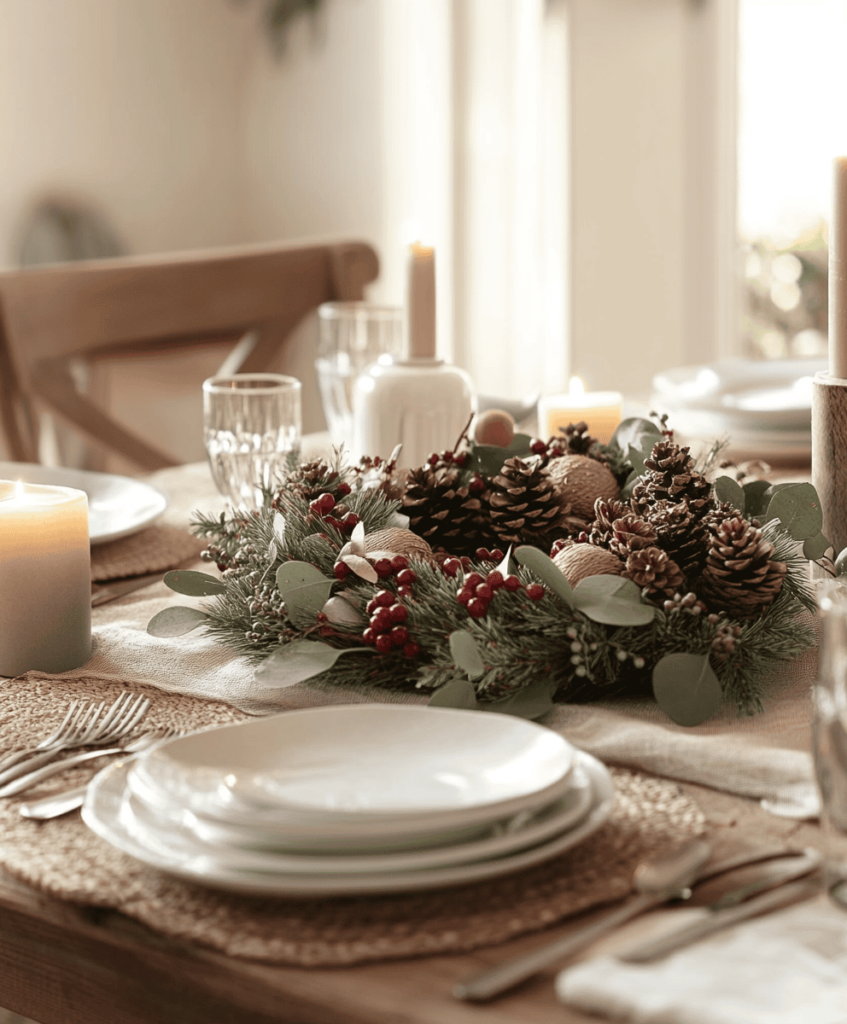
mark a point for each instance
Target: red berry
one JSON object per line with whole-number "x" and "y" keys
{"x": 461, "y": 458}
{"x": 399, "y": 563}
{"x": 383, "y": 598}
{"x": 332, "y": 521}
{"x": 497, "y": 555}
{"x": 473, "y": 579}
{"x": 381, "y": 620}
{"x": 383, "y": 643}
{"x": 494, "y": 579}
{"x": 404, "y": 591}
{"x": 315, "y": 507}
{"x": 512, "y": 583}
{"x": 383, "y": 568}
{"x": 464, "y": 595}
{"x": 433, "y": 459}
{"x": 343, "y": 489}
{"x": 406, "y": 577}
{"x": 369, "y": 636}
{"x": 350, "y": 520}
{"x": 483, "y": 555}
{"x": 556, "y": 548}
{"x": 399, "y": 635}
{"x": 483, "y": 592}
{"x": 411, "y": 649}
{"x": 326, "y": 501}
{"x": 535, "y": 591}
{"x": 371, "y": 606}
{"x": 450, "y": 566}
{"x": 476, "y": 484}
{"x": 341, "y": 570}
{"x": 398, "y": 613}
{"x": 447, "y": 456}
{"x": 538, "y": 447}
{"x": 466, "y": 562}
{"x": 477, "y": 608}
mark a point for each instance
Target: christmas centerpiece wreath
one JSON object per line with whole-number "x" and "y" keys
{"x": 512, "y": 577}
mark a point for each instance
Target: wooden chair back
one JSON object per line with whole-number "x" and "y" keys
{"x": 52, "y": 316}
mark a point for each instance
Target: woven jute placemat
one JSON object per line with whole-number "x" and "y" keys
{"x": 64, "y": 859}
{"x": 156, "y": 549}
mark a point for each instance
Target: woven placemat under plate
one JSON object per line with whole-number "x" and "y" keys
{"x": 64, "y": 859}
{"x": 156, "y": 549}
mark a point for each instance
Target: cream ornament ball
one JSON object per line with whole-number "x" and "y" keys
{"x": 577, "y": 561}
{"x": 581, "y": 481}
{"x": 494, "y": 427}
{"x": 397, "y": 541}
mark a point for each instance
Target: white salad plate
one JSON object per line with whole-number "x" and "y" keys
{"x": 117, "y": 505}
{"x": 108, "y": 812}
{"x": 358, "y": 771}
{"x": 236, "y": 848}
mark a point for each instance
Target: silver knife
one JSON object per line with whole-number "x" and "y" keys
{"x": 112, "y": 591}
{"x": 733, "y": 907}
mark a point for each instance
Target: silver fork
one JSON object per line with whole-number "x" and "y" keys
{"x": 75, "y": 711}
{"x": 61, "y": 803}
{"x": 121, "y": 718}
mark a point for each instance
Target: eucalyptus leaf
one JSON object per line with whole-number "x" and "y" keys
{"x": 816, "y": 547}
{"x": 193, "y": 583}
{"x": 686, "y": 688}
{"x": 636, "y": 437}
{"x": 841, "y": 564}
{"x": 730, "y": 490}
{"x": 357, "y": 540}
{"x": 458, "y": 693}
{"x": 466, "y": 654}
{"x": 304, "y": 603}
{"x": 798, "y": 508}
{"x": 361, "y": 567}
{"x": 547, "y": 571}
{"x": 175, "y": 621}
{"x": 628, "y": 484}
{"x": 293, "y": 575}
{"x": 757, "y": 496}
{"x": 532, "y": 701}
{"x": 612, "y": 601}
{"x": 488, "y": 459}
{"x": 341, "y": 613}
{"x": 298, "y": 661}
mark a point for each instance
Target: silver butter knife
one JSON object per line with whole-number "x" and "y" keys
{"x": 112, "y": 591}
{"x": 735, "y": 906}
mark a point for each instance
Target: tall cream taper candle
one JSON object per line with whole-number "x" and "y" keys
{"x": 838, "y": 274}
{"x": 420, "y": 302}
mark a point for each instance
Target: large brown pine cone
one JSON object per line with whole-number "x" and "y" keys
{"x": 631, "y": 533}
{"x": 311, "y": 479}
{"x": 740, "y": 575}
{"x": 443, "y": 511}
{"x": 525, "y": 506}
{"x": 605, "y": 515}
{"x": 681, "y": 533}
{"x": 654, "y": 570}
{"x": 670, "y": 476}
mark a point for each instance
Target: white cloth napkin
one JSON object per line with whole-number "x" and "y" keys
{"x": 786, "y": 968}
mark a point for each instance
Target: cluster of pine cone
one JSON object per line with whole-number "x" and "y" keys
{"x": 672, "y": 538}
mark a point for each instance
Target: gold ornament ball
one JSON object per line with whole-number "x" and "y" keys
{"x": 581, "y": 481}
{"x": 399, "y": 542}
{"x": 580, "y": 560}
{"x": 494, "y": 427}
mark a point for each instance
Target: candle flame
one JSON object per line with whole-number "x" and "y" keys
{"x": 19, "y": 489}
{"x": 576, "y": 387}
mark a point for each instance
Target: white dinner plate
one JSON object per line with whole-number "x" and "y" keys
{"x": 356, "y": 771}
{"x": 106, "y": 806}
{"x": 117, "y": 505}
{"x": 237, "y": 849}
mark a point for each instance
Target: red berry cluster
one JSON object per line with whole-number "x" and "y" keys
{"x": 559, "y": 544}
{"x": 456, "y": 458}
{"x": 388, "y": 614}
{"x": 476, "y": 592}
{"x": 339, "y": 516}
{"x": 398, "y": 566}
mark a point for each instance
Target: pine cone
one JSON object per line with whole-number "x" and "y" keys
{"x": 654, "y": 570}
{"x": 670, "y": 476}
{"x": 312, "y": 479}
{"x": 605, "y": 515}
{"x": 631, "y": 533}
{"x": 577, "y": 439}
{"x": 740, "y": 575}
{"x": 524, "y": 505}
{"x": 681, "y": 533}
{"x": 444, "y": 511}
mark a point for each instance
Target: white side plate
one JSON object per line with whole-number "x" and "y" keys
{"x": 117, "y": 505}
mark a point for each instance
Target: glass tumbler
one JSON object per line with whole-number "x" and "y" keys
{"x": 829, "y": 735}
{"x": 352, "y": 336}
{"x": 250, "y": 423}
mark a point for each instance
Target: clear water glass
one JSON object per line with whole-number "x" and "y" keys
{"x": 829, "y": 735}
{"x": 352, "y": 336}
{"x": 251, "y": 421}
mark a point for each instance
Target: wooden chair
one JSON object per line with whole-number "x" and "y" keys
{"x": 53, "y": 317}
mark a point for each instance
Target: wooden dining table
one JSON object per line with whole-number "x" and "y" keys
{"x": 63, "y": 963}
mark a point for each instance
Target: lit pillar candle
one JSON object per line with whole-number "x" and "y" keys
{"x": 838, "y": 274}
{"x": 601, "y": 410}
{"x": 45, "y": 578}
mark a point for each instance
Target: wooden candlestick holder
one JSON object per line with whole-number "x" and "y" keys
{"x": 829, "y": 455}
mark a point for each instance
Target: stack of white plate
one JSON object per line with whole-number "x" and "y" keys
{"x": 352, "y": 800}
{"x": 763, "y": 407}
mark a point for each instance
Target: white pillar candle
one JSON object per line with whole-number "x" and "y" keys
{"x": 601, "y": 410}
{"x": 45, "y": 578}
{"x": 838, "y": 274}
